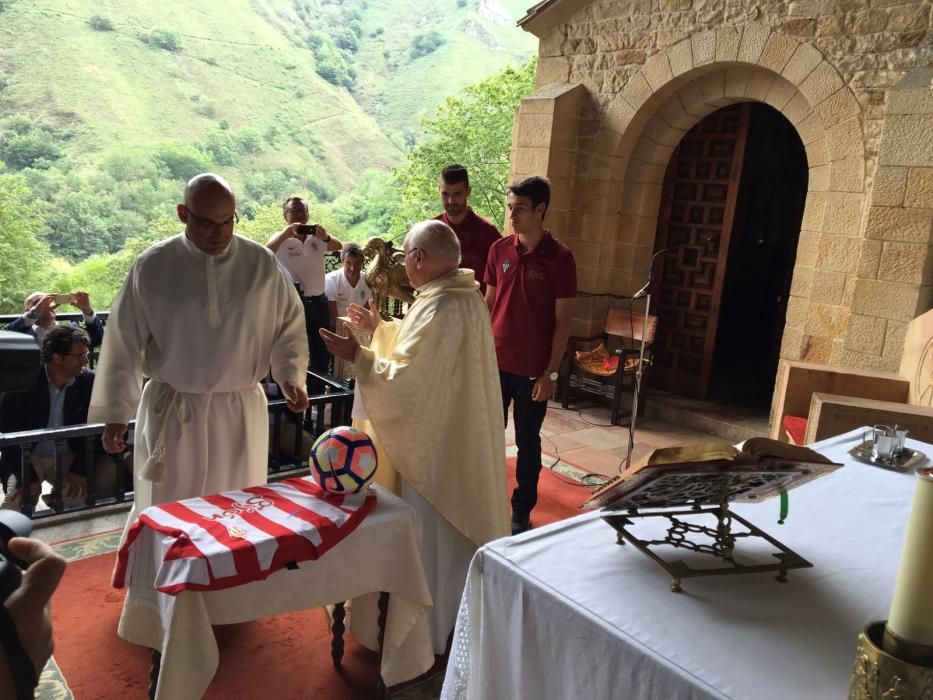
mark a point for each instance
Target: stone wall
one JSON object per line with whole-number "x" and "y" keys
{"x": 620, "y": 82}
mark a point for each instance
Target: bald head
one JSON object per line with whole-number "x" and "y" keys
{"x": 431, "y": 250}
{"x": 206, "y": 188}
{"x": 436, "y": 239}
{"x": 208, "y": 213}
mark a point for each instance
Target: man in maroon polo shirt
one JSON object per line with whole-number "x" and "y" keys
{"x": 474, "y": 232}
{"x": 531, "y": 280}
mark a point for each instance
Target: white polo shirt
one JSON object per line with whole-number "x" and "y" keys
{"x": 304, "y": 263}
{"x": 338, "y": 289}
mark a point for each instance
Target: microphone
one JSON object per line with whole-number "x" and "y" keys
{"x": 644, "y": 290}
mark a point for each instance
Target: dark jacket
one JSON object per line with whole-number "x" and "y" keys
{"x": 29, "y": 410}
{"x": 95, "y": 329}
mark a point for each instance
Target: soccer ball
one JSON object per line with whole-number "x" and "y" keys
{"x": 343, "y": 460}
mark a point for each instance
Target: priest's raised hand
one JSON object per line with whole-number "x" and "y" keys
{"x": 343, "y": 347}
{"x": 367, "y": 318}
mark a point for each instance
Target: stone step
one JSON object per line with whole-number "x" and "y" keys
{"x": 731, "y": 423}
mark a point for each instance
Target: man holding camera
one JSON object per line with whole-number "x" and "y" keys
{"x": 39, "y": 316}
{"x": 300, "y": 249}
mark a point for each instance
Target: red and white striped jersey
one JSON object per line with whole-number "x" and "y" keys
{"x": 232, "y": 538}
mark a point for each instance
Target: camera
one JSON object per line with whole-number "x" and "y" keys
{"x": 12, "y": 524}
{"x": 307, "y": 229}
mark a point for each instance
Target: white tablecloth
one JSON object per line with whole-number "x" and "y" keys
{"x": 564, "y": 612}
{"x": 380, "y": 555}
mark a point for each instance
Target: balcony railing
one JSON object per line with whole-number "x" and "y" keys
{"x": 287, "y": 454}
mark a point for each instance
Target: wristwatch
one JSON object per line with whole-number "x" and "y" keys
{"x": 553, "y": 376}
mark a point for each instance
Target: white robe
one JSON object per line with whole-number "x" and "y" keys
{"x": 430, "y": 389}
{"x": 205, "y": 329}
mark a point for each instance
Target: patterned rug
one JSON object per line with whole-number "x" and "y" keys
{"x": 559, "y": 497}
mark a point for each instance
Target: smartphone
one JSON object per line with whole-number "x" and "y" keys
{"x": 61, "y": 299}
{"x": 307, "y": 229}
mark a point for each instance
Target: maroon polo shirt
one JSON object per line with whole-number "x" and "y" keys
{"x": 527, "y": 283}
{"x": 476, "y": 234}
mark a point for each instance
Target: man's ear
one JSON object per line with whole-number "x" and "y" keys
{"x": 182, "y": 212}
{"x": 469, "y": 191}
{"x": 541, "y": 210}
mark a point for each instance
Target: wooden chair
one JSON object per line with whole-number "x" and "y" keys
{"x": 813, "y": 402}
{"x": 604, "y": 365}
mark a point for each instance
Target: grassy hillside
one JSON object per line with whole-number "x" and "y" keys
{"x": 479, "y": 37}
{"x": 231, "y": 66}
{"x": 107, "y": 107}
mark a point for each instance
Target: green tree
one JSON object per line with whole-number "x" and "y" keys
{"x": 34, "y": 149}
{"x": 103, "y": 275}
{"x": 24, "y": 259}
{"x": 425, "y": 43}
{"x": 368, "y": 210}
{"x": 474, "y": 130}
{"x": 182, "y": 160}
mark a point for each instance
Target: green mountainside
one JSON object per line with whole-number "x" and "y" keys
{"x": 106, "y": 106}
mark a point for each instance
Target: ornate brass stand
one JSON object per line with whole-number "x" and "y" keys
{"x": 878, "y": 675}
{"x": 719, "y": 542}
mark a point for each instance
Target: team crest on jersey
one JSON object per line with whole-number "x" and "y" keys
{"x": 234, "y": 531}
{"x": 505, "y": 266}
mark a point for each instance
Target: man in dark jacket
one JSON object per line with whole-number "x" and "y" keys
{"x": 60, "y": 397}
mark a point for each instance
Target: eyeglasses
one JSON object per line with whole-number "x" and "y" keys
{"x": 201, "y": 222}
{"x": 83, "y": 355}
{"x": 409, "y": 252}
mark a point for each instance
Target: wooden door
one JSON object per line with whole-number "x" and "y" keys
{"x": 695, "y": 221}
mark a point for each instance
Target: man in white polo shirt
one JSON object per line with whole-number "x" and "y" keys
{"x": 301, "y": 253}
{"x": 347, "y": 285}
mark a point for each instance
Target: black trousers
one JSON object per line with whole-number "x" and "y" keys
{"x": 317, "y": 316}
{"x": 528, "y": 416}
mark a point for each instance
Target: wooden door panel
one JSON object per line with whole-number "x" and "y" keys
{"x": 697, "y": 209}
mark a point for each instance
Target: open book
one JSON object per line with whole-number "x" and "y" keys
{"x": 710, "y": 473}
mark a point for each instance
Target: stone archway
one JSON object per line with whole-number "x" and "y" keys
{"x": 679, "y": 86}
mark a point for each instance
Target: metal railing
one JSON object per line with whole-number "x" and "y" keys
{"x": 287, "y": 457}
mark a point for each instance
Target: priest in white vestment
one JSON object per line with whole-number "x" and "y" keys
{"x": 429, "y": 385}
{"x": 203, "y": 315}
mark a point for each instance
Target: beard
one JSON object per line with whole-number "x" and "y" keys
{"x": 455, "y": 209}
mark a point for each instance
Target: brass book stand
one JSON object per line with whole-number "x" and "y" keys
{"x": 718, "y": 540}
{"x": 695, "y": 505}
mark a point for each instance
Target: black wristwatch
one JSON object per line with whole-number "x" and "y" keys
{"x": 25, "y": 676}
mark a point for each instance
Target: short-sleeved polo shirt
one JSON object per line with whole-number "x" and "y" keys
{"x": 527, "y": 284}
{"x": 475, "y": 234}
{"x": 339, "y": 290}
{"x": 304, "y": 263}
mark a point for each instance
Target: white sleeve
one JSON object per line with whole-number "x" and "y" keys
{"x": 290, "y": 347}
{"x": 330, "y": 285}
{"x": 118, "y": 378}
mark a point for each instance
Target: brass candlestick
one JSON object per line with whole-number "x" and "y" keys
{"x": 880, "y": 675}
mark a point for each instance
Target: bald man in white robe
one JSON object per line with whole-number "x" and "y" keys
{"x": 429, "y": 385}
{"x": 203, "y": 315}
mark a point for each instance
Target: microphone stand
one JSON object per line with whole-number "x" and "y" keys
{"x": 645, "y": 292}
